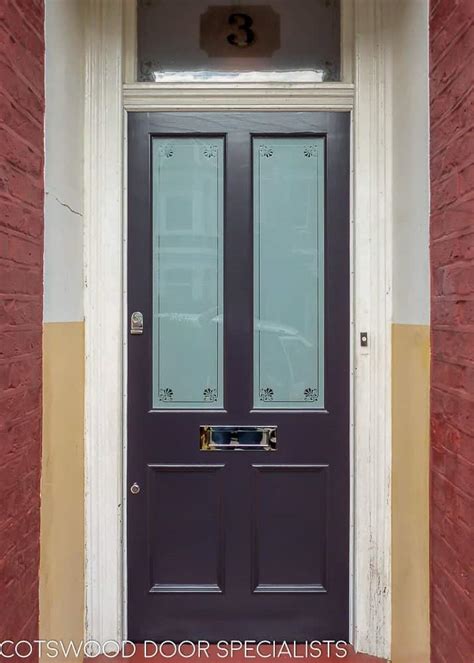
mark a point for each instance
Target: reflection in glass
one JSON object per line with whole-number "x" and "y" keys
{"x": 187, "y": 272}
{"x": 288, "y": 272}
{"x": 280, "y": 40}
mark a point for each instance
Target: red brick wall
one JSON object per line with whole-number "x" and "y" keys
{"x": 21, "y": 295}
{"x": 452, "y": 319}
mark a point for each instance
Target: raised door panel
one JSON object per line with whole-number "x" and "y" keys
{"x": 290, "y": 529}
{"x": 186, "y": 528}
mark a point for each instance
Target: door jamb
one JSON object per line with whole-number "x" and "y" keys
{"x": 104, "y": 269}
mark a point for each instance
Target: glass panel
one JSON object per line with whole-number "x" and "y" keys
{"x": 288, "y": 272}
{"x": 280, "y": 40}
{"x": 187, "y": 272}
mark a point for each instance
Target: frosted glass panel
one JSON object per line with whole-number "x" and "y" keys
{"x": 187, "y": 273}
{"x": 288, "y": 272}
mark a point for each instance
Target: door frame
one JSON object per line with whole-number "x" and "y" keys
{"x": 109, "y": 62}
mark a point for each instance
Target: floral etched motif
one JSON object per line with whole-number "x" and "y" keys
{"x": 310, "y": 151}
{"x": 210, "y": 151}
{"x": 331, "y": 71}
{"x": 166, "y": 394}
{"x": 266, "y": 394}
{"x": 166, "y": 151}
{"x": 266, "y": 151}
{"x": 147, "y": 69}
{"x": 210, "y": 395}
{"x": 310, "y": 394}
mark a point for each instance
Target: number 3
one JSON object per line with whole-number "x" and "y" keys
{"x": 244, "y": 24}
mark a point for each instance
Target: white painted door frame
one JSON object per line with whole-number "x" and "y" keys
{"x": 105, "y": 236}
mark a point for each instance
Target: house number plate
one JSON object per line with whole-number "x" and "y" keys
{"x": 240, "y": 31}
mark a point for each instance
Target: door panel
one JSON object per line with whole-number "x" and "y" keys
{"x": 186, "y": 543}
{"x": 290, "y": 501}
{"x": 239, "y": 263}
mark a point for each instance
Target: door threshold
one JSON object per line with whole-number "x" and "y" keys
{"x": 239, "y": 656}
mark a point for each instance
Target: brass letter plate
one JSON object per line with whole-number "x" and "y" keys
{"x": 238, "y": 438}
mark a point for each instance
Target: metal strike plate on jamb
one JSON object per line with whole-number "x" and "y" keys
{"x": 136, "y": 323}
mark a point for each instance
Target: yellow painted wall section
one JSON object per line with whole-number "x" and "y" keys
{"x": 62, "y": 484}
{"x": 410, "y": 494}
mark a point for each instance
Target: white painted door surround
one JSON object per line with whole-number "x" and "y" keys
{"x": 364, "y": 91}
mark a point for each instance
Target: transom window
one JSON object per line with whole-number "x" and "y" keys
{"x": 214, "y": 40}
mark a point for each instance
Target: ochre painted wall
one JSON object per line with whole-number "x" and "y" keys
{"x": 452, "y": 320}
{"x": 410, "y": 493}
{"x": 21, "y": 295}
{"x": 62, "y": 483}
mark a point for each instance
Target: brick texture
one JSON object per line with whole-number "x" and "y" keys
{"x": 21, "y": 294}
{"x": 452, "y": 324}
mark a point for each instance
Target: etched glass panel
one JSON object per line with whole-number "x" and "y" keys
{"x": 187, "y": 272}
{"x": 288, "y": 272}
{"x": 280, "y": 40}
